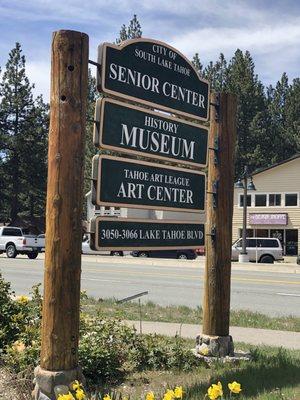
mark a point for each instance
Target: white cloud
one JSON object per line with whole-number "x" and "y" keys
{"x": 270, "y": 32}
{"x": 38, "y": 73}
{"x": 261, "y": 40}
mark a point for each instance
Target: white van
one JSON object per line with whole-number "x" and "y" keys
{"x": 262, "y": 250}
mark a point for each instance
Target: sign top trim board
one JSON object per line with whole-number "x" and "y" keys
{"x": 155, "y": 74}
{"x": 135, "y": 130}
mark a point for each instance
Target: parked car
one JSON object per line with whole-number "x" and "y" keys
{"x": 200, "y": 251}
{"x": 85, "y": 249}
{"x": 186, "y": 254}
{"x": 42, "y": 239}
{"x": 14, "y": 241}
{"x": 262, "y": 250}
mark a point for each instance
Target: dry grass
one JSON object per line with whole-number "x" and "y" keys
{"x": 185, "y": 315}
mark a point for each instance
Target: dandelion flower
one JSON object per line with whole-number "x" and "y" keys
{"x": 178, "y": 392}
{"x": 215, "y": 391}
{"x": 80, "y": 395}
{"x": 169, "y": 395}
{"x": 150, "y": 396}
{"x": 75, "y": 385}
{"x": 22, "y": 299}
{"x": 235, "y": 387}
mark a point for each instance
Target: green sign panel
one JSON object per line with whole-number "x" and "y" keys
{"x": 123, "y": 182}
{"x": 131, "y": 129}
{"x": 138, "y": 234}
{"x": 155, "y": 74}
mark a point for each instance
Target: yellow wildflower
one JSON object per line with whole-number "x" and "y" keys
{"x": 107, "y": 397}
{"x": 22, "y": 299}
{"x": 75, "y": 385}
{"x": 178, "y": 392}
{"x": 68, "y": 396}
{"x": 215, "y": 391}
{"x": 19, "y": 346}
{"x": 235, "y": 387}
{"x": 150, "y": 396}
{"x": 169, "y": 395}
{"x": 80, "y": 395}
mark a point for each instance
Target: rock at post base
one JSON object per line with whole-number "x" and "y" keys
{"x": 45, "y": 381}
{"x": 216, "y": 348}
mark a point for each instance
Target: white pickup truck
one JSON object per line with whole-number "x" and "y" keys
{"x": 14, "y": 241}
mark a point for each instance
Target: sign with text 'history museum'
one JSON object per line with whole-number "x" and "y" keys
{"x": 134, "y": 130}
{"x": 123, "y": 182}
{"x": 155, "y": 74}
{"x": 136, "y": 234}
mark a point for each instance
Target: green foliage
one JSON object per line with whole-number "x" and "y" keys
{"x": 268, "y": 123}
{"x": 20, "y": 318}
{"x": 10, "y": 315}
{"x": 133, "y": 31}
{"x": 23, "y": 132}
{"x": 104, "y": 349}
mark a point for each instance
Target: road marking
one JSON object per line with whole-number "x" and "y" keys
{"x": 288, "y": 294}
{"x": 185, "y": 277}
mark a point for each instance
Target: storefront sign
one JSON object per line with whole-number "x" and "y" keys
{"x": 155, "y": 74}
{"x": 139, "y": 234}
{"x": 134, "y": 130}
{"x": 268, "y": 219}
{"x": 123, "y": 182}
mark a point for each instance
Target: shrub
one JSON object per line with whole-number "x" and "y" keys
{"x": 105, "y": 349}
{"x": 20, "y": 317}
{"x": 108, "y": 349}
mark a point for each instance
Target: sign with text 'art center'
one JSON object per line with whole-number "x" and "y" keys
{"x": 141, "y": 234}
{"x": 123, "y": 182}
{"x": 155, "y": 74}
{"x": 134, "y": 130}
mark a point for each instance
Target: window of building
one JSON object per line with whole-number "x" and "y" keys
{"x": 260, "y": 200}
{"x": 291, "y": 199}
{"x": 274, "y": 199}
{"x": 242, "y": 200}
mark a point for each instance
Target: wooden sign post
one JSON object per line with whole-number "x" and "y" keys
{"x": 60, "y": 322}
{"x": 216, "y": 304}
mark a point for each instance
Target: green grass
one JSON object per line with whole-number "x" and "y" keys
{"x": 183, "y": 314}
{"x": 273, "y": 374}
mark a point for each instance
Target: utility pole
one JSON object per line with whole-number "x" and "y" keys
{"x": 60, "y": 321}
{"x": 216, "y": 303}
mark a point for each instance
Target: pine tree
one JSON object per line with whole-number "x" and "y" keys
{"x": 197, "y": 64}
{"x": 20, "y": 136}
{"x": 133, "y": 31}
{"x": 242, "y": 80}
{"x": 90, "y": 149}
{"x": 34, "y": 177}
{"x": 292, "y": 120}
{"x": 217, "y": 74}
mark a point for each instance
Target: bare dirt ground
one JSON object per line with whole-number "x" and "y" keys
{"x": 12, "y": 387}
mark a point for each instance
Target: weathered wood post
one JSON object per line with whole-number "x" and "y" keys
{"x": 216, "y": 304}
{"x": 60, "y": 322}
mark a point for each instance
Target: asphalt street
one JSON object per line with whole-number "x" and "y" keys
{"x": 168, "y": 282}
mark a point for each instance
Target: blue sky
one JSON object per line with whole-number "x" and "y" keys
{"x": 270, "y": 30}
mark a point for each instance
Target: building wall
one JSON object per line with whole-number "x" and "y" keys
{"x": 281, "y": 179}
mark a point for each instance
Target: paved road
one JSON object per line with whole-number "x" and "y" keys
{"x": 269, "y": 292}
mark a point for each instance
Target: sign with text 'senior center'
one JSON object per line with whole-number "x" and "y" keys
{"x": 138, "y": 184}
{"x": 155, "y": 74}
{"x": 134, "y": 130}
{"x": 136, "y": 234}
